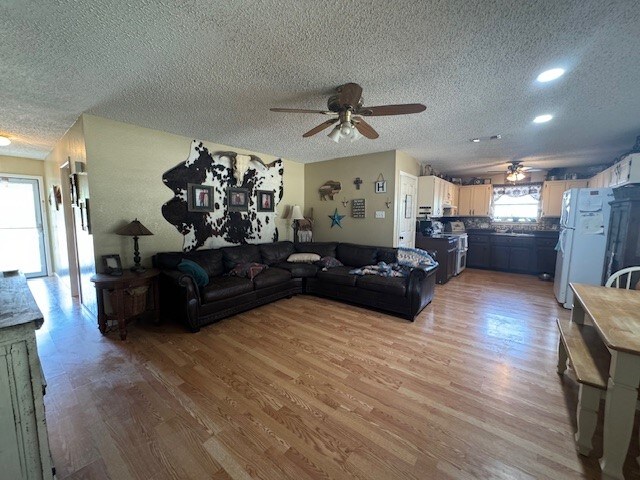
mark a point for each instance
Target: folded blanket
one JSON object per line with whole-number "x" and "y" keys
{"x": 382, "y": 269}
{"x": 415, "y": 257}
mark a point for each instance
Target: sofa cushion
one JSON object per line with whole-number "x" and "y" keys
{"x": 225, "y": 287}
{"x": 387, "y": 255}
{"x": 299, "y": 270}
{"x": 328, "y": 262}
{"x": 210, "y": 260}
{"x": 356, "y": 255}
{"x": 339, "y": 275}
{"x": 324, "y": 249}
{"x": 196, "y": 271}
{"x": 303, "y": 258}
{"x": 167, "y": 260}
{"x": 232, "y": 256}
{"x": 391, "y": 285}
{"x": 273, "y": 253}
{"x": 271, "y": 276}
{"x": 248, "y": 270}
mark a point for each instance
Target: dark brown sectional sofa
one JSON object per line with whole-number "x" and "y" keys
{"x": 182, "y": 299}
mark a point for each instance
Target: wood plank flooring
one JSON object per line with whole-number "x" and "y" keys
{"x": 309, "y": 388}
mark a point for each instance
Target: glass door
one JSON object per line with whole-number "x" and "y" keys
{"x": 22, "y": 242}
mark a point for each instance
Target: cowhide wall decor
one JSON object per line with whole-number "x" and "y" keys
{"x": 222, "y": 170}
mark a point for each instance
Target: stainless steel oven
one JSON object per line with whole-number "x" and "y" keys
{"x": 456, "y": 229}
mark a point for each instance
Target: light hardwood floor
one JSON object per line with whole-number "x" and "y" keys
{"x": 310, "y": 388}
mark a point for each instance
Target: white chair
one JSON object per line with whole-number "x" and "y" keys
{"x": 615, "y": 277}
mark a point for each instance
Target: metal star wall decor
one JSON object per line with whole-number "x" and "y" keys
{"x": 336, "y": 219}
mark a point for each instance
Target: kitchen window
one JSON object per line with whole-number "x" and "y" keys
{"x": 516, "y": 203}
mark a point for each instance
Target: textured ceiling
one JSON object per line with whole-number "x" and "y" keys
{"x": 212, "y": 69}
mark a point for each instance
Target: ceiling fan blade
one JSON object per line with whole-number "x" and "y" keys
{"x": 350, "y": 94}
{"x": 402, "y": 109}
{"x": 301, "y": 110}
{"x": 320, "y": 127}
{"x": 365, "y": 129}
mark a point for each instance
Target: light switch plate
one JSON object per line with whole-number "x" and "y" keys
{"x": 379, "y": 213}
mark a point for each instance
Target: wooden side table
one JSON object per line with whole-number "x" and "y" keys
{"x": 123, "y": 308}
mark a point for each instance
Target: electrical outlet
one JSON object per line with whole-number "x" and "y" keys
{"x": 379, "y": 213}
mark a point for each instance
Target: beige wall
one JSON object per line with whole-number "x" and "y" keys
{"x": 126, "y": 163}
{"x": 21, "y": 166}
{"x": 407, "y": 164}
{"x": 369, "y": 230}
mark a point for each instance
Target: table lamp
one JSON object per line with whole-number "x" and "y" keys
{"x": 296, "y": 214}
{"x": 135, "y": 229}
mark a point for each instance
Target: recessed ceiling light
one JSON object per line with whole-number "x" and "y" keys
{"x": 4, "y": 141}
{"x": 542, "y": 118}
{"x": 550, "y": 75}
{"x": 475, "y": 140}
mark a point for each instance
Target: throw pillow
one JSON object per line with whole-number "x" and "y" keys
{"x": 247, "y": 270}
{"x": 303, "y": 257}
{"x": 196, "y": 271}
{"x": 414, "y": 257}
{"x": 329, "y": 262}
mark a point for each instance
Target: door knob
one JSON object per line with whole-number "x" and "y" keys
{"x": 401, "y": 238}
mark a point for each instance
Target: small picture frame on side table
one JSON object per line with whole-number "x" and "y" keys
{"x": 112, "y": 265}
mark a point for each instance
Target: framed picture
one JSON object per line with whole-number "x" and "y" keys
{"x": 73, "y": 185}
{"x": 265, "y": 201}
{"x": 381, "y": 186}
{"x": 112, "y": 264}
{"x": 87, "y": 213}
{"x": 238, "y": 199}
{"x": 199, "y": 198}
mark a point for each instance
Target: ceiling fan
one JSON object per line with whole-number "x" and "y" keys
{"x": 516, "y": 171}
{"x": 346, "y": 105}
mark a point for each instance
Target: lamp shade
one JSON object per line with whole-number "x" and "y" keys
{"x": 296, "y": 213}
{"x": 134, "y": 229}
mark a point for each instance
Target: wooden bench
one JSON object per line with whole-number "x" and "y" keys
{"x": 590, "y": 360}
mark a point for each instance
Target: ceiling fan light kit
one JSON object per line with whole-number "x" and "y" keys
{"x": 346, "y": 103}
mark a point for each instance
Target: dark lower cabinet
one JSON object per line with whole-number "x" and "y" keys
{"x": 446, "y": 249}
{"x": 479, "y": 252}
{"x": 531, "y": 254}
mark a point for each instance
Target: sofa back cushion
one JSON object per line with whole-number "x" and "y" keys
{"x": 387, "y": 254}
{"x": 210, "y": 260}
{"x": 167, "y": 260}
{"x": 356, "y": 255}
{"x": 231, "y": 256}
{"x": 324, "y": 249}
{"x": 277, "y": 252}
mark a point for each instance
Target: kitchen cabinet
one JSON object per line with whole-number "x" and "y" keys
{"x": 474, "y": 200}
{"x": 546, "y": 254}
{"x": 623, "y": 240}
{"x": 479, "y": 252}
{"x": 552, "y": 191}
{"x": 438, "y": 194}
{"x": 446, "y": 254}
{"x": 513, "y": 253}
{"x": 624, "y": 172}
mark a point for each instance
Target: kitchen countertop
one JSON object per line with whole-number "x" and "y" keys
{"x": 518, "y": 233}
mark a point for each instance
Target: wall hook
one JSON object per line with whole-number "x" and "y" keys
{"x": 345, "y": 202}
{"x": 388, "y": 202}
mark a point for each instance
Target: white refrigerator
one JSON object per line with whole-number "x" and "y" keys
{"x": 584, "y": 223}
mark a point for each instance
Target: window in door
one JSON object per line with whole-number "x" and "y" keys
{"x": 516, "y": 203}
{"x": 22, "y": 243}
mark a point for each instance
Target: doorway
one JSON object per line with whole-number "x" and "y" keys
{"x": 406, "y": 223}
{"x": 23, "y": 242}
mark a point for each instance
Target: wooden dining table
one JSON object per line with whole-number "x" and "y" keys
{"x": 615, "y": 313}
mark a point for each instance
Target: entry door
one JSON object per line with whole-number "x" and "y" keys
{"x": 22, "y": 242}
{"x": 407, "y": 210}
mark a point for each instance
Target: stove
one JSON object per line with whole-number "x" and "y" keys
{"x": 457, "y": 230}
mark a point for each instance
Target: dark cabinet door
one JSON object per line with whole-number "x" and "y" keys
{"x": 546, "y": 260}
{"x": 500, "y": 257}
{"x": 452, "y": 261}
{"x": 520, "y": 259}
{"x": 479, "y": 251}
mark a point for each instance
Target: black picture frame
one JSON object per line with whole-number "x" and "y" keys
{"x": 200, "y": 198}
{"x": 87, "y": 213}
{"x": 238, "y": 199}
{"x": 73, "y": 189}
{"x": 112, "y": 264}
{"x": 265, "y": 200}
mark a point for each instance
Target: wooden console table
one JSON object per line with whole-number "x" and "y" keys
{"x": 615, "y": 314}
{"x": 117, "y": 287}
